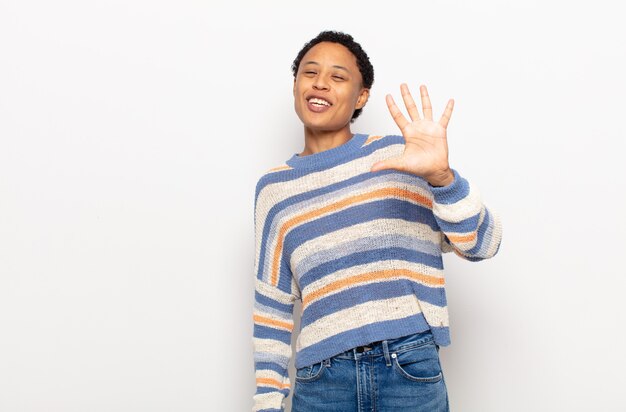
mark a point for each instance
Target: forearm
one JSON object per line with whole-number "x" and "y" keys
{"x": 271, "y": 341}
{"x": 472, "y": 229}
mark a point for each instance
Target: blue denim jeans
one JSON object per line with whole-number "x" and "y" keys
{"x": 393, "y": 375}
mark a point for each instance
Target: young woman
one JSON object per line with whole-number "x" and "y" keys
{"x": 354, "y": 227}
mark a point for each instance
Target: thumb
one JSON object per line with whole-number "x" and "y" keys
{"x": 386, "y": 164}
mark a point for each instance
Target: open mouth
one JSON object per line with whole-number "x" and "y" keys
{"x": 317, "y": 104}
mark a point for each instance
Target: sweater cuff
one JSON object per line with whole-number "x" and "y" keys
{"x": 452, "y": 193}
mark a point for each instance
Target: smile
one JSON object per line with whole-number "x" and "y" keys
{"x": 317, "y": 104}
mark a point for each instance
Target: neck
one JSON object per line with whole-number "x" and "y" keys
{"x": 316, "y": 141}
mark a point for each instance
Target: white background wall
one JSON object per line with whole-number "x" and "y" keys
{"x": 132, "y": 134}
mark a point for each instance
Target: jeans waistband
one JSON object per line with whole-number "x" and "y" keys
{"x": 383, "y": 347}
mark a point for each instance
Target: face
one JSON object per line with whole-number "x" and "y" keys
{"x": 328, "y": 87}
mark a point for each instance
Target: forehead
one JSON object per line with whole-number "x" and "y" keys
{"x": 332, "y": 54}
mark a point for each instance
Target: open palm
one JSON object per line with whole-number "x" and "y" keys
{"x": 426, "y": 145}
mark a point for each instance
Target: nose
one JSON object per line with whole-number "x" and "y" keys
{"x": 320, "y": 83}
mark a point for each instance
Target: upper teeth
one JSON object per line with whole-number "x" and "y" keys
{"x": 315, "y": 100}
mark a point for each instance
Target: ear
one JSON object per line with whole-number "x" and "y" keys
{"x": 363, "y": 97}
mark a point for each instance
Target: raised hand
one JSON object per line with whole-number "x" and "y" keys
{"x": 426, "y": 144}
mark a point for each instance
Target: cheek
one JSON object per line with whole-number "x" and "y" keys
{"x": 350, "y": 99}
{"x": 296, "y": 95}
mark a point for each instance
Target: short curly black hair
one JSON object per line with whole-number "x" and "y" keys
{"x": 362, "y": 60}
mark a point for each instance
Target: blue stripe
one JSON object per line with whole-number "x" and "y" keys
{"x": 264, "y": 300}
{"x": 360, "y": 336}
{"x": 452, "y": 193}
{"x": 462, "y": 226}
{"x": 368, "y": 256}
{"x": 271, "y": 366}
{"x": 434, "y": 296}
{"x": 380, "y": 209}
{"x": 405, "y": 246}
{"x": 389, "y": 140}
{"x": 480, "y": 235}
{"x": 285, "y": 276}
{"x": 295, "y": 173}
{"x": 266, "y": 332}
{"x": 479, "y": 251}
{"x": 361, "y": 183}
{"x": 356, "y": 295}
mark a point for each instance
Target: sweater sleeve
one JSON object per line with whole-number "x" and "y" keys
{"x": 274, "y": 298}
{"x": 468, "y": 227}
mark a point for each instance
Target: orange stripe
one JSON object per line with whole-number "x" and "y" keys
{"x": 272, "y": 382}
{"x": 277, "y": 168}
{"x": 273, "y": 322}
{"x": 462, "y": 238}
{"x": 361, "y": 198}
{"x": 370, "y": 139}
{"x": 366, "y": 277}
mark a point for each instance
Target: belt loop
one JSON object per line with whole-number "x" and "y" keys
{"x": 386, "y": 351}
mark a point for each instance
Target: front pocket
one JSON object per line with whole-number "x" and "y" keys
{"x": 310, "y": 373}
{"x": 420, "y": 364}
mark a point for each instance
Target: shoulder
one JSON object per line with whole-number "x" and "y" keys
{"x": 272, "y": 175}
{"x": 380, "y": 140}
{"x": 270, "y": 181}
{"x": 386, "y": 145}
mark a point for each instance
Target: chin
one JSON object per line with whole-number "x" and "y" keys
{"x": 322, "y": 127}
{"x": 321, "y": 124}
{"x": 316, "y": 122}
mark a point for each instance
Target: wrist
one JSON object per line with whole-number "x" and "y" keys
{"x": 441, "y": 179}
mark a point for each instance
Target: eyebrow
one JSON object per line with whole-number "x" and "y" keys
{"x": 335, "y": 66}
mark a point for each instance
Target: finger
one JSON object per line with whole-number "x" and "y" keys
{"x": 397, "y": 115}
{"x": 447, "y": 114}
{"x": 426, "y": 107}
{"x": 409, "y": 102}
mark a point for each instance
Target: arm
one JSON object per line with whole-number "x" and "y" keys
{"x": 272, "y": 314}
{"x": 468, "y": 227}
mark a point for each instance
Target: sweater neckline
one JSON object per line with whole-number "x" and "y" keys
{"x": 329, "y": 156}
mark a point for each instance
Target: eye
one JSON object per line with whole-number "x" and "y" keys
{"x": 337, "y": 77}
{"x": 309, "y": 72}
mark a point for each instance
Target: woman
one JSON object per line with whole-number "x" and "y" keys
{"x": 354, "y": 226}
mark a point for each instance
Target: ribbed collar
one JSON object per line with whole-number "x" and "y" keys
{"x": 330, "y": 156}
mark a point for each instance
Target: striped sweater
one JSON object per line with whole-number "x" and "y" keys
{"x": 362, "y": 252}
